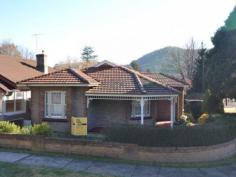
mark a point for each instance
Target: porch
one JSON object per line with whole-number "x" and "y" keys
{"x": 148, "y": 110}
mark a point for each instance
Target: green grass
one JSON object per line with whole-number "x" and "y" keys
{"x": 16, "y": 170}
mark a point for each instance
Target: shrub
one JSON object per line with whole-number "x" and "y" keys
{"x": 212, "y": 103}
{"x": 8, "y": 127}
{"x": 218, "y": 131}
{"x": 41, "y": 129}
{"x": 26, "y": 130}
{"x": 203, "y": 118}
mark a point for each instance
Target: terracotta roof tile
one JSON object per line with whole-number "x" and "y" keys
{"x": 64, "y": 76}
{"x": 167, "y": 80}
{"x": 121, "y": 80}
{"x": 16, "y": 69}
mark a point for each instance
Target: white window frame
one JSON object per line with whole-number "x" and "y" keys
{"x": 48, "y": 104}
{"x": 136, "y": 103}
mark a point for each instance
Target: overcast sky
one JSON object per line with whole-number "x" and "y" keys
{"x": 119, "y": 30}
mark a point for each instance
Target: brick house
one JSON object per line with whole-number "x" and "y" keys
{"x": 105, "y": 93}
{"x": 13, "y": 100}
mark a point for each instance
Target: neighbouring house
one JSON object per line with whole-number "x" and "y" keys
{"x": 13, "y": 101}
{"x": 106, "y": 93}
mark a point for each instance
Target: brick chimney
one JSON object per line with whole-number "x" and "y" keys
{"x": 42, "y": 62}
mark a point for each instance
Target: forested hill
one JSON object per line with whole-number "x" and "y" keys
{"x": 159, "y": 60}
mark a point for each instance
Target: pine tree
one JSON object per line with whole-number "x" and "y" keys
{"x": 198, "y": 83}
{"x": 88, "y": 54}
{"x": 221, "y": 63}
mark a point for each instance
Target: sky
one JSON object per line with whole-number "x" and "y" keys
{"x": 119, "y": 30}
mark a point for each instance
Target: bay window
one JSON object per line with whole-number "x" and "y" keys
{"x": 55, "y": 105}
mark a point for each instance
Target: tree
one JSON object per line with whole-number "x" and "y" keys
{"x": 191, "y": 54}
{"x": 73, "y": 62}
{"x": 135, "y": 65}
{"x": 230, "y": 22}
{"x": 88, "y": 54}
{"x": 177, "y": 64}
{"x": 10, "y": 49}
{"x": 198, "y": 83}
{"x": 183, "y": 61}
{"x": 221, "y": 62}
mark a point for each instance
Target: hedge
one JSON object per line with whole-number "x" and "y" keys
{"x": 218, "y": 130}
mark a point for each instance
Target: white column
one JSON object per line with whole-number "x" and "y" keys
{"x": 171, "y": 112}
{"x": 88, "y": 101}
{"x": 14, "y": 97}
{"x": 142, "y": 105}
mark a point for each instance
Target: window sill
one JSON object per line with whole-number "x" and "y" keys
{"x": 55, "y": 119}
{"x": 139, "y": 118}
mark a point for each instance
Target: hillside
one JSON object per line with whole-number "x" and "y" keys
{"x": 160, "y": 60}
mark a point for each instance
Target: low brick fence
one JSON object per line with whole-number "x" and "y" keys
{"x": 118, "y": 150}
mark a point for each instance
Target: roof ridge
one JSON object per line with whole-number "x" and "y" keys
{"x": 140, "y": 84}
{"x": 148, "y": 78}
{"x": 81, "y": 75}
{"x": 77, "y": 74}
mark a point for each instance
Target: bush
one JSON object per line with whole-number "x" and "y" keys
{"x": 26, "y": 130}
{"x": 8, "y": 127}
{"x": 41, "y": 129}
{"x": 37, "y": 129}
{"x": 218, "y": 131}
{"x": 212, "y": 103}
{"x": 203, "y": 118}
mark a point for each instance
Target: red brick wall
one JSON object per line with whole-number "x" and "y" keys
{"x": 73, "y": 95}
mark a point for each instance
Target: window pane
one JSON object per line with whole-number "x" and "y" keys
{"x": 56, "y": 98}
{"x": 55, "y": 104}
{"x": 136, "y": 108}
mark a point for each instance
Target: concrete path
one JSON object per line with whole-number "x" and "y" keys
{"x": 107, "y": 168}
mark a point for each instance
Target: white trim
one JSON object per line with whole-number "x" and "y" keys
{"x": 47, "y": 103}
{"x": 104, "y": 62}
{"x": 142, "y": 105}
{"x": 128, "y": 95}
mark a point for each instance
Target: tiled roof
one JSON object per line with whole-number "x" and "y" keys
{"x": 64, "y": 76}
{"x": 165, "y": 79}
{"x": 16, "y": 69}
{"x": 121, "y": 80}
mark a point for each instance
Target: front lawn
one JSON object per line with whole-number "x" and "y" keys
{"x": 16, "y": 170}
{"x": 218, "y": 129}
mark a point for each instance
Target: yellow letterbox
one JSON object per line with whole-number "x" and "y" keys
{"x": 79, "y": 126}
